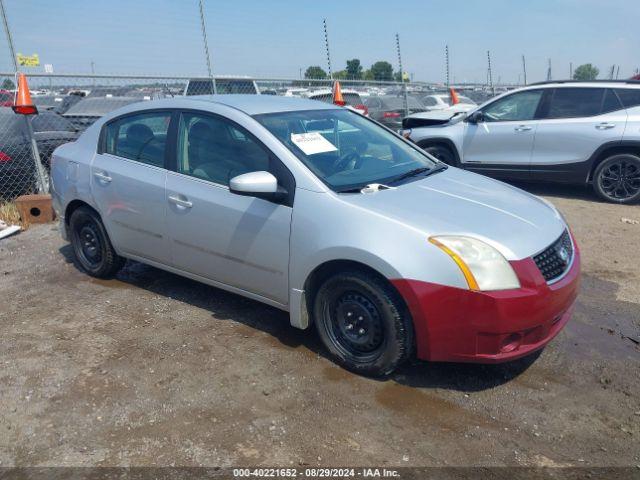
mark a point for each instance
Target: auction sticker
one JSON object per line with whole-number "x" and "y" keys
{"x": 312, "y": 143}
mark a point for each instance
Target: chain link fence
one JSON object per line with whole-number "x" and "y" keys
{"x": 68, "y": 104}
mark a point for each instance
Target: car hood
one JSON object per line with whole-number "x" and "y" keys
{"x": 456, "y": 202}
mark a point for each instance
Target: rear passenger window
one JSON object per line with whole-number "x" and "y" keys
{"x": 630, "y": 97}
{"x": 575, "y": 102}
{"x": 214, "y": 149}
{"x": 139, "y": 137}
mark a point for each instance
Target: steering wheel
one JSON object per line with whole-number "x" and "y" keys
{"x": 350, "y": 161}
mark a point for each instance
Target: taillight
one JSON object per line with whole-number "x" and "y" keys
{"x": 391, "y": 115}
{"x": 365, "y": 110}
{"x": 4, "y": 158}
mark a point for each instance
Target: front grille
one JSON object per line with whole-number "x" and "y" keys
{"x": 555, "y": 260}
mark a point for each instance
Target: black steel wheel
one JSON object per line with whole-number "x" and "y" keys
{"x": 363, "y": 323}
{"x": 442, "y": 153}
{"x": 617, "y": 179}
{"x": 91, "y": 244}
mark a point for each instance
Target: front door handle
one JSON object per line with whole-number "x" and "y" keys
{"x": 180, "y": 202}
{"x": 102, "y": 176}
{"x": 522, "y": 128}
{"x": 605, "y": 126}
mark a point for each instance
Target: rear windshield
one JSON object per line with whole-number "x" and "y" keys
{"x": 397, "y": 103}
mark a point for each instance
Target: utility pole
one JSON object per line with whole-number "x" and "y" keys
{"x": 206, "y": 45}
{"x": 404, "y": 85}
{"x": 524, "y": 70}
{"x": 489, "y": 74}
{"x": 446, "y": 59}
{"x": 326, "y": 44}
{"x": 5, "y": 22}
{"x": 549, "y": 72}
{"x": 570, "y": 70}
{"x": 617, "y": 72}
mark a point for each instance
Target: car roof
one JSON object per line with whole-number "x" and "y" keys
{"x": 586, "y": 84}
{"x": 259, "y": 104}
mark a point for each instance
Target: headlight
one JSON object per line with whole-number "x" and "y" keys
{"x": 483, "y": 266}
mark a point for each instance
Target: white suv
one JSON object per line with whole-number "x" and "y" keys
{"x": 572, "y": 132}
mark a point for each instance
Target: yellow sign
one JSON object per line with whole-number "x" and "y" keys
{"x": 28, "y": 61}
{"x": 405, "y": 77}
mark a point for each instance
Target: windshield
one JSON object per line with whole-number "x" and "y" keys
{"x": 345, "y": 150}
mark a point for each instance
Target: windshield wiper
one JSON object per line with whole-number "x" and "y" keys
{"x": 419, "y": 171}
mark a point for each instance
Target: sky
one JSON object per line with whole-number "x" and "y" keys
{"x": 278, "y": 38}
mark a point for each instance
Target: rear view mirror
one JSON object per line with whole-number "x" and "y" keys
{"x": 257, "y": 184}
{"x": 476, "y": 117}
{"x": 319, "y": 125}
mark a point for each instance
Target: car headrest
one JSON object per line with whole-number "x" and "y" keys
{"x": 139, "y": 134}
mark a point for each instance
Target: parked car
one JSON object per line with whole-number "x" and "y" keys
{"x": 319, "y": 211}
{"x": 17, "y": 167}
{"x": 86, "y": 111}
{"x": 572, "y": 132}
{"x": 6, "y": 98}
{"x": 442, "y": 101}
{"x": 351, "y": 97}
{"x": 56, "y": 103}
{"x": 222, "y": 85}
{"x": 389, "y": 109}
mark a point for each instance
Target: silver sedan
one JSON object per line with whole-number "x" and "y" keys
{"x": 321, "y": 212}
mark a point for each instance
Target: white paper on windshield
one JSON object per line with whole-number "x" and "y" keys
{"x": 312, "y": 143}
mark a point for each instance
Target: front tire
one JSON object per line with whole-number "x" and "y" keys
{"x": 617, "y": 179}
{"x": 91, "y": 244}
{"x": 442, "y": 153}
{"x": 363, "y": 323}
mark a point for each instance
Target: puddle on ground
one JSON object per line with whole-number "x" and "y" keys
{"x": 412, "y": 402}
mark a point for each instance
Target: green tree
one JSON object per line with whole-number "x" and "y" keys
{"x": 354, "y": 69}
{"x": 315, "y": 72}
{"x": 341, "y": 75}
{"x": 586, "y": 72}
{"x": 8, "y": 84}
{"x": 382, "y": 71}
{"x": 368, "y": 75}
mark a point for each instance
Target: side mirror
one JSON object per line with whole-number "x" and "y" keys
{"x": 476, "y": 117}
{"x": 257, "y": 184}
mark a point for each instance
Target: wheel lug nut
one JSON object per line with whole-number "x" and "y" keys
{"x": 360, "y": 318}
{"x": 350, "y": 326}
{"x": 361, "y": 331}
{"x": 349, "y": 314}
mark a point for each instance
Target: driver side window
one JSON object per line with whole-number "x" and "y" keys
{"x": 214, "y": 149}
{"x": 516, "y": 107}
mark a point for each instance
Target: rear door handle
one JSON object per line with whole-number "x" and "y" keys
{"x": 605, "y": 126}
{"x": 522, "y": 128}
{"x": 180, "y": 202}
{"x": 102, "y": 176}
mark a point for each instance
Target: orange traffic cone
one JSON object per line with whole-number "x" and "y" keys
{"x": 23, "y": 104}
{"x": 337, "y": 95}
{"x": 454, "y": 96}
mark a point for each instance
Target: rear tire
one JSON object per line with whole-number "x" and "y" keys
{"x": 617, "y": 179}
{"x": 442, "y": 153}
{"x": 91, "y": 244}
{"x": 363, "y": 323}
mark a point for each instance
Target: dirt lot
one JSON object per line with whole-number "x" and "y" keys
{"x": 153, "y": 369}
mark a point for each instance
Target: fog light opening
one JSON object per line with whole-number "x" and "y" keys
{"x": 510, "y": 343}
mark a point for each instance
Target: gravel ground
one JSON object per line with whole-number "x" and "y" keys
{"x": 153, "y": 369}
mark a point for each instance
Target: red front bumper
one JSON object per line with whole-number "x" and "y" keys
{"x": 457, "y": 325}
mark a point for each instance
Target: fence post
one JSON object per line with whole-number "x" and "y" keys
{"x": 43, "y": 182}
